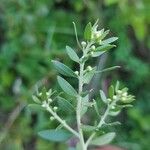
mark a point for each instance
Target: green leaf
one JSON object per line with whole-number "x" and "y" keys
{"x": 65, "y": 105}
{"x": 96, "y": 108}
{"x": 111, "y": 91}
{"x": 117, "y": 86}
{"x": 72, "y": 54}
{"x": 88, "y": 31}
{"x": 88, "y": 128}
{"x": 85, "y": 102}
{"x": 36, "y": 100}
{"x": 108, "y": 69}
{"x": 63, "y": 69}
{"x": 103, "y": 97}
{"x": 55, "y": 135}
{"x": 104, "y": 47}
{"x": 89, "y": 75}
{"x": 35, "y": 107}
{"x": 114, "y": 112}
{"x": 96, "y": 54}
{"x": 66, "y": 87}
{"x": 105, "y": 34}
{"x": 104, "y": 139}
{"x": 110, "y": 40}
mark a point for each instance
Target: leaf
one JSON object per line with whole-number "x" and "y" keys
{"x": 72, "y": 54}
{"x": 35, "y": 107}
{"x": 36, "y": 100}
{"x": 111, "y": 91}
{"x": 78, "y": 146}
{"x": 96, "y": 54}
{"x": 89, "y": 75}
{"x": 103, "y": 97}
{"x": 113, "y": 124}
{"x": 105, "y": 34}
{"x": 55, "y": 135}
{"x": 66, "y": 87}
{"x": 108, "y": 69}
{"x": 85, "y": 102}
{"x": 104, "y": 139}
{"x": 96, "y": 108}
{"x": 65, "y": 105}
{"x": 63, "y": 69}
{"x": 88, "y": 128}
{"x": 117, "y": 86}
{"x": 104, "y": 47}
{"x": 114, "y": 112}
{"x": 88, "y": 31}
{"x": 109, "y": 40}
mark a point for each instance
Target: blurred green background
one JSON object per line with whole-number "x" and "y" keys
{"x": 32, "y": 32}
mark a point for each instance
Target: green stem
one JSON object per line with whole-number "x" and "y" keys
{"x": 79, "y": 107}
{"x": 102, "y": 121}
{"x": 49, "y": 109}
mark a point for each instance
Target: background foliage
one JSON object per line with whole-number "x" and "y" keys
{"x": 34, "y": 32}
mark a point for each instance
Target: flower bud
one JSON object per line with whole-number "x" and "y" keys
{"x": 91, "y": 53}
{"x": 112, "y": 107}
{"x": 119, "y": 92}
{"x": 93, "y": 47}
{"x": 40, "y": 94}
{"x": 109, "y": 99}
{"x": 52, "y": 118}
{"x": 49, "y": 100}
{"x": 114, "y": 97}
{"x": 44, "y": 104}
{"x": 83, "y": 43}
{"x": 124, "y": 94}
{"x": 47, "y": 93}
{"x": 76, "y": 72}
{"x": 55, "y": 108}
{"x": 89, "y": 68}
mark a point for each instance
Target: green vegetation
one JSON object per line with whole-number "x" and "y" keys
{"x": 34, "y": 32}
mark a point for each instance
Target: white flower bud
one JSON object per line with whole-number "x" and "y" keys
{"x": 89, "y": 68}
{"x": 109, "y": 99}
{"x": 55, "y": 108}
{"x": 114, "y": 97}
{"x": 124, "y": 94}
{"x": 113, "y": 107}
{"x": 83, "y": 43}
{"x": 123, "y": 98}
{"x": 40, "y": 94}
{"x": 100, "y": 41}
{"x": 50, "y": 100}
{"x": 119, "y": 91}
{"x": 93, "y": 47}
{"x": 91, "y": 53}
{"x": 76, "y": 72}
{"x": 52, "y": 118}
{"x": 44, "y": 104}
{"x": 47, "y": 93}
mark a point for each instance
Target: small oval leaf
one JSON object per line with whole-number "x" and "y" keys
{"x": 72, "y": 54}
{"x": 103, "y": 97}
{"x": 66, "y": 87}
{"x": 109, "y": 40}
{"x": 111, "y": 91}
{"x": 88, "y": 31}
{"x": 55, "y": 135}
{"x": 65, "y": 105}
{"x": 104, "y": 139}
{"x": 104, "y": 47}
{"x": 63, "y": 69}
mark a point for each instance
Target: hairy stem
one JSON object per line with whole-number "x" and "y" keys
{"x": 102, "y": 121}
{"x": 79, "y": 104}
{"x": 62, "y": 121}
